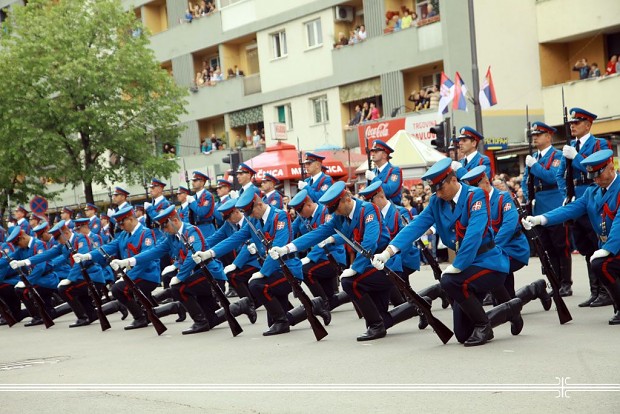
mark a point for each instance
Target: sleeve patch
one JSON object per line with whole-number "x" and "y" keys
{"x": 556, "y": 163}
{"x": 80, "y": 245}
{"x": 324, "y": 187}
{"x": 394, "y": 177}
{"x": 148, "y": 241}
{"x": 508, "y": 206}
{"x": 370, "y": 218}
{"x": 476, "y": 206}
{"x": 328, "y": 218}
{"x": 274, "y": 202}
{"x": 40, "y": 251}
{"x": 280, "y": 225}
{"x": 191, "y": 239}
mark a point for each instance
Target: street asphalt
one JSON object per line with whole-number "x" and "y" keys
{"x": 548, "y": 368}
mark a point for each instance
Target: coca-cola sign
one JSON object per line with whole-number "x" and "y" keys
{"x": 382, "y": 130}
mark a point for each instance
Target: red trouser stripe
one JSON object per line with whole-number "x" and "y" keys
{"x": 182, "y": 288}
{"x": 356, "y": 292}
{"x": 314, "y": 269}
{"x": 471, "y": 279}
{"x": 126, "y": 290}
{"x": 235, "y": 275}
{"x": 70, "y": 288}
{"x": 270, "y": 285}
{"x": 606, "y": 273}
{"x": 567, "y": 243}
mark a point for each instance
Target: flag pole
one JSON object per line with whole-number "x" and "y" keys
{"x": 474, "y": 68}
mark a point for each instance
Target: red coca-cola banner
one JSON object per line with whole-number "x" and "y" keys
{"x": 382, "y": 130}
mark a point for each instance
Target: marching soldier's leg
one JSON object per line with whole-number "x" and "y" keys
{"x": 237, "y": 308}
{"x": 603, "y": 298}
{"x": 607, "y": 269}
{"x": 374, "y": 322}
{"x": 163, "y": 296}
{"x": 171, "y": 308}
{"x": 7, "y": 294}
{"x": 71, "y": 294}
{"x": 189, "y": 301}
{"x": 299, "y": 314}
{"x": 504, "y": 311}
{"x": 435, "y": 291}
{"x": 22, "y": 294}
{"x": 586, "y": 242}
{"x": 114, "y": 306}
{"x": 121, "y": 293}
{"x": 238, "y": 279}
{"x": 537, "y": 289}
{"x": 271, "y": 291}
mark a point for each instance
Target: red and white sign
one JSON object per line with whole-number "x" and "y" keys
{"x": 417, "y": 125}
{"x": 278, "y": 131}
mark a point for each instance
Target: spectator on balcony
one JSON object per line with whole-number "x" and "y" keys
{"x": 416, "y": 99}
{"x": 217, "y": 76}
{"x": 612, "y": 66}
{"x": 239, "y": 142}
{"x": 210, "y": 8}
{"x": 188, "y": 16}
{"x": 583, "y": 68}
{"x": 595, "y": 72}
{"x": 365, "y": 111}
{"x": 353, "y": 39}
{"x": 361, "y": 33}
{"x": 433, "y": 96}
{"x": 357, "y": 118}
{"x": 395, "y": 23}
{"x": 200, "y": 80}
{"x": 230, "y": 74}
{"x": 238, "y": 72}
{"x": 430, "y": 11}
{"x": 206, "y": 147}
{"x": 407, "y": 20}
{"x": 373, "y": 113}
{"x": 256, "y": 139}
{"x": 342, "y": 41}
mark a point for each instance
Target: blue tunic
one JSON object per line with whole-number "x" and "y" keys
{"x": 203, "y": 208}
{"x": 391, "y": 178}
{"x": 316, "y": 253}
{"x": 479, "y": 159}
{"x": 592, "y": 145}
{"x": 316, "y": 188}
{"x": 548, "y": 195}
{"x": 243, "y": 256}
{"x": 505, "y": 222}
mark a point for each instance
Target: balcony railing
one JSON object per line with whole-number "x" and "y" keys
{"x": 251, "y": 84}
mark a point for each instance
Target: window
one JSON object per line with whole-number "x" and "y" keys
{"x": 279, "y": 44}
{"x": 319, "y": 106}
{"x": 314, "y": 37}
{"x": 427, "y": 81}
{"x": 285, "y": 115}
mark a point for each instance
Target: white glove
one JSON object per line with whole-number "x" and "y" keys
{"x": 370, "y": 175}
{"x": 20, "y": 285}
{"x": 348, "y": 273}
{"x": 569, "y": 152}
{"x": 451, "y": 270}
{"x": 456, "y": 165}
{"x": 111, "y": 212}
{"x": 327, "y": 241}
{"x": 190, "y": 199}
{"x": 120, "y": 279}
{"x": 599, "y": 253}
{"x": 175, "y": 281}
{"x": 302, "y": 184}
{"x": 78, "y": 257}
{"x": 119, "y": 263}
{"x": 252, "y": 248}
{"x": 168, "y": 269}
{"x": 526, "y": 224}
{"x": 19, "y": 263}
{"x": 200, "y": 257}
{"x": 529, "y": 161}
{"x": 234, "y": 194}
{"x": 536, "y": 220}
{"x": 277, "y": 252}
{"x": 568, "y": 201}
{"x": 379, "y": 260}
{"x": 230, "y": 268}
{"x": 147, "y": 205}
{"x": 64, "y": 282}
{"x": 305, "y": 261}
{"x": 257, "y": 275}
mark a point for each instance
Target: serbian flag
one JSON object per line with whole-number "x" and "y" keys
{"x": 460, "y": 93}
{"x": 446, "y": 93}
{"x": 487, "y": 92}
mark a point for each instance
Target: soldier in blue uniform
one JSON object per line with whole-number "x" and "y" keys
{"x": 158, "y": 203}
{"x": 35, "y": 220}
{"x": 245, "y": 175}
{"x": 584, "y": 237}
{"x": 202, "y": 204}
{"x": 599, "y": 204}
{"x": 468, "y": 142}
{"x": 189, "y": 286}
{"x": 317, "y": 182}
{"x": 140, "y": 214}
{"x": 543, "y": 166}
{"x": 66, "y": 215}
{"x": 91, "y": 213}
{"x": 367, "y": 287}
{"x": 21, "y": 214}
{"x": 510, "y": 237}
{"x": 461, "y": 215}
{"x": 8, "y": 279}
{"x": 183, "y": 210}
{"x": 224, "y": 193}
{"x": 272, "y": 196}
{"x": 241, "y": 264}
{"x": 268, "y": 286}
{"x": 119, "y": 198}
{"x": 319, "y": 274}
{"x": 390, "y": 176}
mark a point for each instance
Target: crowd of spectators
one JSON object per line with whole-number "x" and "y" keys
{"x": 355, "y": 36}
{"x": 406, "y": 18}
{"x": 199, "y": 9}
{"x": 366, "y": 112}
{"x": 213, "y": 143}
{"x": 426, "y": 98}
{"x": 211, "y": 76}
{"x": 587, "y": 71}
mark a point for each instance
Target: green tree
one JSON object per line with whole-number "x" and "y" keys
{"x": 80, "y": 87}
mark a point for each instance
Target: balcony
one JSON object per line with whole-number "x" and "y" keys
{"x": 593, "y": 16}
{"x": 597, "y": 95}
{"x": 251, "y": 84}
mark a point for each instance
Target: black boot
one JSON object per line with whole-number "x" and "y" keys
{"x": 338, "y": 299}
{"x": 435, "y": 291}
{"x": 374, "y": 322}
{"x": 488, "y": 300}
{"x": 82, "y": 317}
{"x": 296, "y": 315}
{"x": 595, "y": 286}
{"x": 232, "y": 292}
{"x": 403, "y": 312}
{"x": 112, "y": 307}
{"x": 508, "y": 311}
{"x": 423, "y": 322}
{"x": 535, "y": 290}
{"x": 566, "y": 278}
{"x": 139, "y": 317}
{"x": 396, "y": 298}
{"x": 482, "y": 332}
{"x": 245, "y": 306}
{"x": 614, "y": 293}
{"x": 197, "y": 314}
{"x": 320, "y": 308}
{"x": 62, "y": 309}
{"x": 171, "y": 308}
{"x": 280, "y": 323}
{"x": 163, "y": 296}
{"x": 603, "y": 299}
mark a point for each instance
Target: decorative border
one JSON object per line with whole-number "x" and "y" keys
{"x": 561, "y": 387}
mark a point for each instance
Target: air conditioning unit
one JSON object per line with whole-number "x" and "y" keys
{"x": 344, "y": 13}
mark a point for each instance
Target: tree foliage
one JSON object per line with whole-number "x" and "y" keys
{"x": 79, "y": 84}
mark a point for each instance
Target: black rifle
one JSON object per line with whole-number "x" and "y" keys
{"x": 111, "y": 225}
{"x": 6, "y": 314}
{"x": 330, "y": 256}
{"x": 34, "y": 295}
{"x": 532, "y": 234}
{"x": 368, "y": 155}
{"x": 529, "y": 206}
{"x": 570, "y": 184}
{"x": 430, "y": 259}
{"x": 301, "y": 163}
{"x": 424, "y": 309}
{"x": 138, "y": 294}
{"x": 94, "y": 292}
{"x": 235, "y": 328}
{"x": 192, "y": 216}
{"x": 317, "y": 328}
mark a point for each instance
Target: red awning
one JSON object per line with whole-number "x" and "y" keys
{"x": 282, "y": 161}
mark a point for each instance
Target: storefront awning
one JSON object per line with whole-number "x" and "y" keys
{"x": 247, "y": 116}
{"x": 360, "y": 90}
